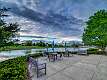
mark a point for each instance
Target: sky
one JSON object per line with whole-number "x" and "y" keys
{"x": 52, "y": 19}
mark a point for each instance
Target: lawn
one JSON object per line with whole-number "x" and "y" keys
{"x": 7, "y": 48}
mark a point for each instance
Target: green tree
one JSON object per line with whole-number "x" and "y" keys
{"x": 28, "y": 43}
{"x": 95, "y": 32}
{"x": 42, "y": 44}
{"x": 7, "y": 31}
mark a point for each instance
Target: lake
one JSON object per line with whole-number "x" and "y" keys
{"x": 16, "y": 53}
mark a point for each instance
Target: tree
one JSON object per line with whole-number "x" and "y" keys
{"x": 42, "y": 44}
{"x": 7, "y": 31}
{"x": 95, "y": 32}
{"x": 28, "y": 43}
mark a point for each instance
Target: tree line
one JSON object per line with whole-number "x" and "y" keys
{"x": 7, "y": 30}
{"x": 95, "y": 32}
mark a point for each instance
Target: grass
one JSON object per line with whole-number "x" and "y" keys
{"x": 7, "y": 48}
{"x": 20, "y": 47}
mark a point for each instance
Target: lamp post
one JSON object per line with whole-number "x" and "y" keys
{"x": 53, "y": 46}
{"x": 65, "y": 46}
{"x": 47, "y": 46}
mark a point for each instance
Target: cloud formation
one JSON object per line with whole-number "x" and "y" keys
{"x": 56, "y": 18}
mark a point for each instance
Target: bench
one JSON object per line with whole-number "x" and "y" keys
{"x": 39, "y": 65}
{"x": 82, "y": 52}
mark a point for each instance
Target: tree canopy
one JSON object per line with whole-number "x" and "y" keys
{"x": 7, "y": 31}
{"x": 95, "y": 32}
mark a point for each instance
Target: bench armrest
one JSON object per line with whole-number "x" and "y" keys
{"x": 41, "y": 64}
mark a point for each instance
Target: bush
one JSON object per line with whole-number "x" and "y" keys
{"x": 75, "y": 52}
{"x": 14, "y": 69}
{"x": 92, "y": 51}
{"x": 95, "y": 51}
{"x": 36, "y": 55}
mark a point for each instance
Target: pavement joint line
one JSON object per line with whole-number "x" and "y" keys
{"x": 88, "y": 63}
{"x": 77, "y": 67}
{"x": 96, "y": 67}
{"x": 82, "y": 68}
{"x": 63, "y": 69}
{"x": 73, "y": 65}
{"x": 58, "y": 72}
{"x": 68, "y": 76}
{"x": 91, "y": 64}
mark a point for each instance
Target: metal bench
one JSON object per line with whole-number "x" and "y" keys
{"x": 67, "y": 54}
{"x": 82, "y": 52}
{"x": 45, "y": 54}
{"x": 40, "y": 66}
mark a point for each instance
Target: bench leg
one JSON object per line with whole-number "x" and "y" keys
{"x": 45, "y": 71}
{"x": 37, "y": 73}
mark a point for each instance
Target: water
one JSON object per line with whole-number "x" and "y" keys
{"x": 16, "y": 53}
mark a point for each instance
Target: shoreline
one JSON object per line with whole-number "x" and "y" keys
{"x": 9, "y": 48}
{"x": 4, "y": 58}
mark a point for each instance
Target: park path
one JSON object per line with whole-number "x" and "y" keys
{"x": 92, "y": 67}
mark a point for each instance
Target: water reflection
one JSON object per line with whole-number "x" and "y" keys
{"x": 15, "y": 53}
{"x": 27, "y": 52}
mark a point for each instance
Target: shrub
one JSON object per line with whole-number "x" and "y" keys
{"x": 95, "y": 51}
{"x": 73, "y": 52}
{"x": 36, "y": 55}
{"x": 14, "y": 69}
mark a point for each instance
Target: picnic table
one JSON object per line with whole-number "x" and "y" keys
{"x": 53, "y": 56}
{"x": 65, "y": 53}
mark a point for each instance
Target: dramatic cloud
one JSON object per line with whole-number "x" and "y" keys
{"x": 53, "y": 18}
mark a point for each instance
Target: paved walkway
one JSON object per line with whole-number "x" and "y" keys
{"x": 93, "y": 67}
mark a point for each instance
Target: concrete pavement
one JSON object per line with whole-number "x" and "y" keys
{"x": 92, "y": 67}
